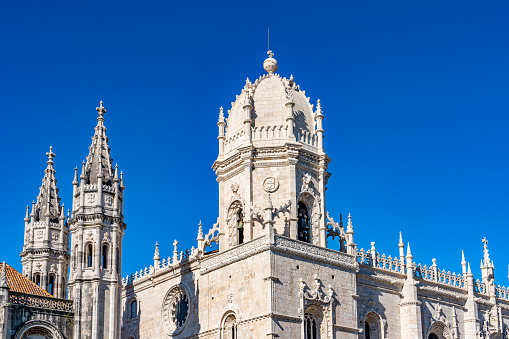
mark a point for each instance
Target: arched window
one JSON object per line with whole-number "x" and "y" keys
{"x": 303, "y": 223}
{"x": 90, "y": 250}
{"x": 51, "y": 284}
{"x": 240, "y": 227}
{"x": 230, "y": 327}
{"x": 310, "y": 331}
{"x": 372, "y": 326}
{"x": 37, "y": 279}
{"x": 433, "y": 336}
{"x": 134, "y": 309}
{"x": 105, "y": 256}
{"x": 439, "y": 330}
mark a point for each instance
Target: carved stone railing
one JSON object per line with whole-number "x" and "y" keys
{"x": 502, "y": 292}
{"x": 480, "y": 287}
{"x": 184, "y": 257}
{"x": 48, "y": 303}
{"x": 434, "y": 274}
{"x": 380, "y": 261}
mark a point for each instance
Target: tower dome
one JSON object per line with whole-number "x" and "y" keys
{"x": 268, "y": 99}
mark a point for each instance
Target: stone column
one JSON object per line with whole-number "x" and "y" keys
{"x": 292, "y": 182}
{"x": 410, "y": 306}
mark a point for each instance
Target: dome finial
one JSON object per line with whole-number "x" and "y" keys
{"x": 270, "y": 64}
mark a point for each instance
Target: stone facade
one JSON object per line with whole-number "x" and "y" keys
{"x": 273, "y": 275}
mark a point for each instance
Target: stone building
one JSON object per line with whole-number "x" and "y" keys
{"x": 272, "y": 274}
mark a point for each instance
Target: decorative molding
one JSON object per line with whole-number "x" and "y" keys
{"x": 313, "y": 252}
{"x": 235, "y": 254}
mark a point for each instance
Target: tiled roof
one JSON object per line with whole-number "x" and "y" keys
{"x": 19, "y": 283}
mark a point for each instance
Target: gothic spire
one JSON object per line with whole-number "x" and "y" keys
{"x": 48, "y": 202}
{"x": 99, "y": 162}
{"x": 3, "y": 276}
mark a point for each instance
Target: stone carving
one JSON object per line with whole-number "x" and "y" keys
{"x": 55, "y": 236}
{"x": 89, "y": 236}
{"x": 53, "y": 268}
{"x": 39, "y": 235}
{"x": 106, "y": 237}
{"x": 270, "y": 184}
{"x": 175, "y": 310}
{"x": 108, "y": 200}
{"x": 314, "y": 252}
{"x": 38, "y": 267}
{"x": 235, "y": 188}
{"x": 90, "y": 198}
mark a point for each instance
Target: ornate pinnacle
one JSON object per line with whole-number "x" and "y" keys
{"x": 156, "y": 253}
{"x": 409, "y": 252}
{"x": 270, "y": 53}
{"x": 50, "y": 155}
{"x": 27, "y": 216}
{"x": 486, "y": 254}
{"x": 200, "y": 232}
{"x": 101, "y": 110}
{"x": 3, "y": 277}
{"x": 401, "y": 244}
{"x": 318, "y": 108}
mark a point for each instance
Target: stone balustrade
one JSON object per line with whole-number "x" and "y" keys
{"x": 48, "y": 303}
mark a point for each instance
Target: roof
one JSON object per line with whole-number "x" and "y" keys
{"x": 19, "y": 283}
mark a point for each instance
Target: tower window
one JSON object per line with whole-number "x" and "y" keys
{"x": 51, "y": 285}
{"x": 90, "y": 250}
{"x": 134, "y": 309}
{"x": 37, "y": 279}
{"x": 240, "y": 227}
{"x": 303, "y": 223}
{"x": 310, "y": 327}
{"x": 105, "y": 256}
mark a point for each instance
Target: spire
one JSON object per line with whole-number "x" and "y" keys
{"x": 48, "y": 201}
{"x": 487, "y": 261}
{"x": 469, "y": 270}
{"x": 409, "y": 252}
{"x": 27, "y": 216}
{"x": 200, "y": 232}
{"x": 75, "y": 180}
{"x": 3, "y": 277}
{"x": 99, "y": 161}
{"x": 156, "y": 253}
{"x": 463, "y": 263}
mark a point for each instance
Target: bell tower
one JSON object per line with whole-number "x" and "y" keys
{"x": 45, "y": 255}
{"x": 97, "y": 228}
{"x": 271, "y": 167}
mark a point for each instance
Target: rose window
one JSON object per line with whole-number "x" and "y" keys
{"x": 175, "y": 310}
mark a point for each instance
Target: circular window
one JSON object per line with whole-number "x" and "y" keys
{"x": 175, "y": 310}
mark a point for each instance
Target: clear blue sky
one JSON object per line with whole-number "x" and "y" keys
{"x": 414, "y": 97}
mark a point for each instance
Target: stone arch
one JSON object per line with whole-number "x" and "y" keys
{"x": 438, "y": 330}
{"x": 373, "y": 328}
{"x": 232, "y": 215}
{"x": 313, "y": 208}
{"x": 38, "y": 329}
{"x": 229, "y": 325}
{"x": 315, "y": 322}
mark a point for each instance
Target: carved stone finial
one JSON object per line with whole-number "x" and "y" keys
{"x": 101, "y": 110}
{"x": 156, "y": 253}
{"x": 200, "y": 232}
{"x": 270, "y": 64}
{"x": 50, "y": 155}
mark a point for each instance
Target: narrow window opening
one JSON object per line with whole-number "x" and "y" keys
{"x": 303, "y": 223}
{"x": 51, "y": 285}
{"x": 37, "y": 279}
{"x": 134, "y": 309}
{"x": 89, "y": 255}
{"x": 366, "y": 331}
{"x": 105, "y": 256}
{"x": 240, "y": 227}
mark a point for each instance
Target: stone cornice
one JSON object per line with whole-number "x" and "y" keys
{"x": 235, "y": 254}
{"x": 447, "y": 291}
{"x": 309, "y": 251}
